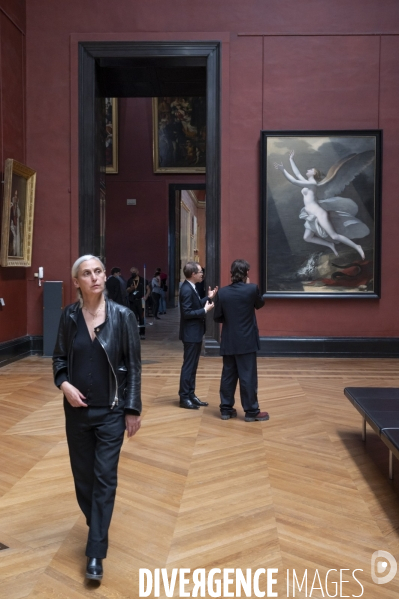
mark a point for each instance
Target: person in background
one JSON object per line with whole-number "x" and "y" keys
{"x": 156, "y": 293}
{"x": 138, "y": 290}
{"x": 162, "y": 304}
{"x": 114, "y": 288}
{"x": 193, "y": 310}
{"x": 97, "y": 366}
{"x": 201, "y": 287}
{"x": 235, "y": 307}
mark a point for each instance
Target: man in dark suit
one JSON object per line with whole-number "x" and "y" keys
{"x": 114, "y": 287}
{"x": 192, "y": 328}
{"x": 235, "y": 307}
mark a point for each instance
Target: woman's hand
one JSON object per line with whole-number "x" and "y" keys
{"x": 292, "y": 153}
{"x": 133, "y": 424}
{"x": 279, "y": 166}
{"x": 73, "y": 395}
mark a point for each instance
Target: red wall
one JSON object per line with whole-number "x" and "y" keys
{"x": 137, "y": 235}
{"x": 329, "y": 64}
{"x": 13, "y": 281}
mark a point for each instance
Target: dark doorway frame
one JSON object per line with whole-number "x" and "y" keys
{"x": 90, "y": 53}
{"x": 174, "y": 226}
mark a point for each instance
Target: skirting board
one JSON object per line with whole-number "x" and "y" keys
{"x": 321, "y": 347}
{"x": 15, "y": 349}
{"x": 279, "y": 347}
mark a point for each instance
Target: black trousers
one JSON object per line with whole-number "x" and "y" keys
{"x": 240, "y": 367}
{"x": 137, "y": 308}
{"x": 95, "y": 437}
{"x": 155, "y": 303}
{"x": 192, "y": 352}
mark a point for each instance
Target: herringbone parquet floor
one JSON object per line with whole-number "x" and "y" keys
{"x": 301, "y": 491}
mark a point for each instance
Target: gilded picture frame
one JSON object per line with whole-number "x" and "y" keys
{"x": 179, "y": 134}
{"x": 17, "y": 215}
{"x": 321, "y": 214}
{"x": 111, "y": 137}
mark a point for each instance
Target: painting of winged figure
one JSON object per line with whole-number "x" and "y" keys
{"x": 320, "y": 212}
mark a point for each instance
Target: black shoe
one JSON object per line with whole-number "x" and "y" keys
{"x": 94, "y": 568}
{"x": 228, "y": 415}
{"x": 157, "y": 318}
{"x": 196, "y": 400}
{"x": 188, "y": 404}
{"x": 142, "y": 336}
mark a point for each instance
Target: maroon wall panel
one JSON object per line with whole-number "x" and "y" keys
{"x": 13, "y": 318}
{"x": 322, "y": 83}
{"x": 273, "y": 16}
{"x": 389, "y": 122}
{"x": 14, "y": 10}
{"x": 137, "y": 235}
{"x": 48, "y": 150}
{"x": 241, "y": 210}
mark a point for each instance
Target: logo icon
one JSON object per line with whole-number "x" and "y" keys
{"x": 379, "y": 564}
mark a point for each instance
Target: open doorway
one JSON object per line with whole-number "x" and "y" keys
{"x": 99, "y": 62}
{"x": 187, "y": 232}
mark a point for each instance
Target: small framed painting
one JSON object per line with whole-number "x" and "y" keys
{"x": 320, "y": 213}
{"x": 18, "y": 210}
{"x": 179, "y": 134}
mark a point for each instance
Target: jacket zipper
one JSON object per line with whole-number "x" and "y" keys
{"x": 115, "y": 402}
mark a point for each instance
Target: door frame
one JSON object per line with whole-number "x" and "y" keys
{"x": 89, "y": 55}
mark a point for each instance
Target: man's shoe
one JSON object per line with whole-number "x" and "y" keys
{"x": 228, "y": 415}
{"x": 196, "y": 400}
{"x": 94, "y": 568}
{"x": 259, "y": 416}
{"x": 142, "y": 336}
{"x": 188, "y": 404}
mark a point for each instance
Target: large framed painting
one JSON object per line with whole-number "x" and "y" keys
{"x": 17, "y": 216}
{"x": 179, "y": 134}
{"x": 320, "y": 213}
{"x": 111, "y": 136}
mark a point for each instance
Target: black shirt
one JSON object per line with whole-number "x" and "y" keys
{"x": 139, "y": 288}
{"x": 90, "y": 369}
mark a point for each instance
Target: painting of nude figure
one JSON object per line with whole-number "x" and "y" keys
{"x": 320, "y": 213}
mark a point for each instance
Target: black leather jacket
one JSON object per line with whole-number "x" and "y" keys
{"x": 119, "y": 338}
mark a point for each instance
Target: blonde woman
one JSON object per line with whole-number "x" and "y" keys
{"x": 97, "y": 366}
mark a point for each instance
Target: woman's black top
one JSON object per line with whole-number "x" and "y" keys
{"x": 90, "y": 370}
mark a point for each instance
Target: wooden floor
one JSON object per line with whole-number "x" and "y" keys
{"x": 301, "y": 491}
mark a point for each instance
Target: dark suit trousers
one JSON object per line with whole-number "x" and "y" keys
{"x": 192, "y": 352}
{"x": 95, "y": 437}
{"x": 240, "y": 367}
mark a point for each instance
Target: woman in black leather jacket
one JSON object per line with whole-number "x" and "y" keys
{"x": 97, "y": 366}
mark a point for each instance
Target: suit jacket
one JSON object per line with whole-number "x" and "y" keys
{"x": 114, "y": 290}
{"x": 192, "y": 314}
{"x": 235, "y": 307}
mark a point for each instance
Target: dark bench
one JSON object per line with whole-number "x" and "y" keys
{"x": 379, "y": 407}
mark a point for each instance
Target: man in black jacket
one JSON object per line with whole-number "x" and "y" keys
{"x": 114, "y": 287}
{"x": 192, "y": 328}
{"x": 235, "y": 307}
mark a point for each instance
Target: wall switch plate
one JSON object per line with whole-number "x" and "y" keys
{"x": 2, "y": 302}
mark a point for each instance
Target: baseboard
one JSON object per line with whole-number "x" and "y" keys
{"x": 321, "y": 347}
{"x": 15, "y": 349}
